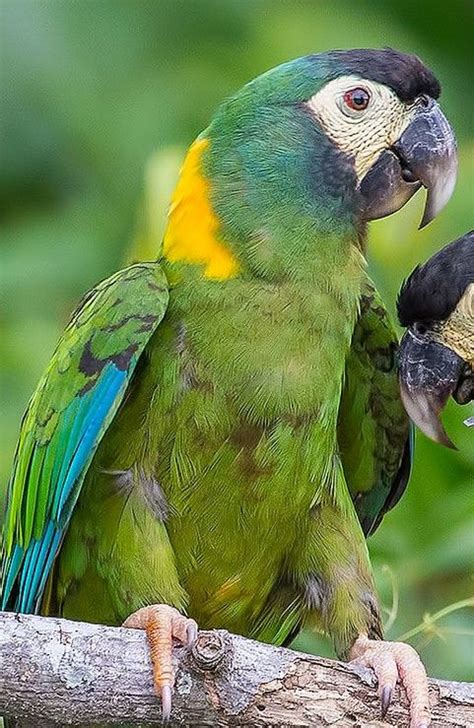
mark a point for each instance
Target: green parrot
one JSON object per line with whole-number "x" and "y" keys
{"x": 436, "y": 355}
{"x": 218, "y": 431}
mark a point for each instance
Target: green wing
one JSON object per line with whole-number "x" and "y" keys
{"x": 373, "y": 430}
{"x": 67, "y": 417}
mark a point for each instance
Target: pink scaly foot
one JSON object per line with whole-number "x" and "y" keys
{"x": 393, "y": 662}
{"x": 162, "y": 624}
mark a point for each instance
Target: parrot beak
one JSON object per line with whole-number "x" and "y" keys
{"x": 424, "y": 409}
{"x": 429, "y": 373}
{"x": 424, "y": 155}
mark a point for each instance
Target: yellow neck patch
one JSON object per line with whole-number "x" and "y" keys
{"x": 191, "y": 234}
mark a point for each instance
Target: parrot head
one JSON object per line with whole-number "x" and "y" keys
{"x": 311, "y": 150}
{"x": 379, "y": 114}
{"x": 436, "y": 355}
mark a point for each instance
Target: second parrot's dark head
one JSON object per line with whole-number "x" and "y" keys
{"x": 436, "y": 355}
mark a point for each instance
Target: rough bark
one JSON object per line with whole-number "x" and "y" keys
{"x": 56, "y": 672}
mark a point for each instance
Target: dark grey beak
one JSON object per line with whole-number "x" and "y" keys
{"x": 425, "y": 155}
{"x": 429, "y": 373}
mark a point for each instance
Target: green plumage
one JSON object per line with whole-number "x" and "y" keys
{"x": 254, "y": 423}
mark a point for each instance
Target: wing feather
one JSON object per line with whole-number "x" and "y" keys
{"x": 70, "y": 411}
{"x": 373, "y": 428}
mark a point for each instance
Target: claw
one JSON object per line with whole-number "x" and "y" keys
{"x": 393, "y": 662}
{"x": 166, "y": 701}
{"x": 385, "y": 699}
{"x": 191, "y": 633}
{"x": 162, "y": 624}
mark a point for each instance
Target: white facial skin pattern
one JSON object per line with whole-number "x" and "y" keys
{"x": 361, "y": 134}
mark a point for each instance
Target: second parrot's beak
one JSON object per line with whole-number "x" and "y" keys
{"x": 424, "y": 155}
{"x": 429, "y": 374}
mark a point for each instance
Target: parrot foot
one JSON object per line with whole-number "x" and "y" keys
{"x": 393, "y": 662}
{"x": 162, "y": 624}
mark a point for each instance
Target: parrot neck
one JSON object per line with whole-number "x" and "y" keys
{"x": 260, "y": 207}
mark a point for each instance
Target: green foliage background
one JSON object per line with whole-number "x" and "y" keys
{"x": 95, "y": 89}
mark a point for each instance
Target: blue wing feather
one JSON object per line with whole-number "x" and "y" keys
{"x": 88, "y": 418}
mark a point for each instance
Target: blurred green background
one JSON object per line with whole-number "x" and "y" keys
{"x": 101, "y": 95}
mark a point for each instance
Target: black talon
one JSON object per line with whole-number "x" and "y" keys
{"x": 385, "y": 699}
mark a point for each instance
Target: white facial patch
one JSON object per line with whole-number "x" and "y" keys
{"x": 362, "y": 134}
{"x": 457, "y": 331}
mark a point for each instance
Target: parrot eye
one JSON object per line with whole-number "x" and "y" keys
{"x": 357, "y": 99}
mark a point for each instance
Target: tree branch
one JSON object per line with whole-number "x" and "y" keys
{"x": 57, "y": 672}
